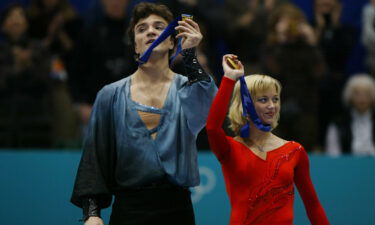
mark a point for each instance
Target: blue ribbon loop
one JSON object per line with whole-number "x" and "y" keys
{"x": 164, "y": 35}
{"x": 249, "y": 109}
{"x": 178, "y": 50}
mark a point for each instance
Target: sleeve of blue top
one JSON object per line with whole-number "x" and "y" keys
{"x": 197, "y": 96}
{"x": 94, "y": 176}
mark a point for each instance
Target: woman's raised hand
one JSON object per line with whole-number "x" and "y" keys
{"x": 233, "y": 68}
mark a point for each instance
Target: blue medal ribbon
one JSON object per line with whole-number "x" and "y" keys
{"x": 164, "y": 35}
{"x": 249, "y": 110}
{"x": 178, "y": 50}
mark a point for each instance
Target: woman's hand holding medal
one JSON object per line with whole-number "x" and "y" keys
{"x": 232, "y": 67}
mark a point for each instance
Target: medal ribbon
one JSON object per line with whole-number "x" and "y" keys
{"x": 164, "y": 35}
{"x": 249, "y": 110}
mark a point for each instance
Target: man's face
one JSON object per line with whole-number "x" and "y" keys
{"x": 147, "y": 31}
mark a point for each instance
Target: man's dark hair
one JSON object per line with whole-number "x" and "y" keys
{"x": 144, "y": 10}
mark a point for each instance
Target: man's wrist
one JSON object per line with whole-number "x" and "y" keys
{"x": 193, "y": 69}
{"x": 189, "y": 53}
{"x": 90, "y": 208}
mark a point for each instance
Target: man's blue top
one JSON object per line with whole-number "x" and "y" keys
{"x": 119, "y": 151}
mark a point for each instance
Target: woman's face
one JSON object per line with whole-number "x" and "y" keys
{"x": 361, "y": 98}
{"x": 267, "y": 106}
{"x": 147, "y": 31}
{"x": 15, "y": 24}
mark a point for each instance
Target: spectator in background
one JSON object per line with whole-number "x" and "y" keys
{"x": 368, "y": 35}
{"x": 57, "y": 25}
{"x": 102, "y": 56}
{"x": 246, "y": 28}
{"x": 336, "y": 41}
{"x": 353, "y": 130}
{"x": 29, "y": 96}
{"x": 292, "y": 55}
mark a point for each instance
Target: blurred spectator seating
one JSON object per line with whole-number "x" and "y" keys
{"x": 292, "y": 56}
{"x": 31, "y": 98}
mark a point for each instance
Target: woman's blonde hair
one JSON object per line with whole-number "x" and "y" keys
{"x": 256, "y": 84}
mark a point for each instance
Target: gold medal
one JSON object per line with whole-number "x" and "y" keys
{"x": 232, "y": 64}
{"x": 186, "y": 16}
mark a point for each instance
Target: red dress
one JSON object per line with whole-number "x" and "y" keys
{"x": 261, "y": 191}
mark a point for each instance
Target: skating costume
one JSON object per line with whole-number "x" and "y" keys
{"x": 261, "y": 191}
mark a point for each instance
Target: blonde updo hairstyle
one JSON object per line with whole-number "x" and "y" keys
{"x": 256, "y": 84}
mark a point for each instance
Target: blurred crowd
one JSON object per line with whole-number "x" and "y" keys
{"x": 54, "y": 59}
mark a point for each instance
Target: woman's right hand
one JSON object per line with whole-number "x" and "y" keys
{"x": 232, "y": 73}
{"x": 94, "y": 220}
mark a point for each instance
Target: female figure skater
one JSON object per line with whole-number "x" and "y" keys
{"x": 260, "y": 169}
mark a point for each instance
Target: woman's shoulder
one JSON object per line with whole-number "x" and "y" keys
{"x": 279, "y": 140}
{"x": 236, "y": 140}
{"x": 287, "y": 143}
{"x": 294, "y": 145}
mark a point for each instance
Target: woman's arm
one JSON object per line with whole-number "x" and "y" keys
{"x": 219, "y": 108}
{"x": 216, "y": 135}
{"x": 307, "y": 191}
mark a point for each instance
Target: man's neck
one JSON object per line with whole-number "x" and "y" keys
{"x": 154, "y": 70}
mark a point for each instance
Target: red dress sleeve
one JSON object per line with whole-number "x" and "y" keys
{"x": 307, "y": 191}
{"x": 216, "y": 136}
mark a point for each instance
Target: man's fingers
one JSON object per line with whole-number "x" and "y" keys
{"x": 193, "y": 24}
{"x": 185, "y": 29}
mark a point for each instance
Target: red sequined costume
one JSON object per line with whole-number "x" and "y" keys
{"x": 261, "y": 191}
